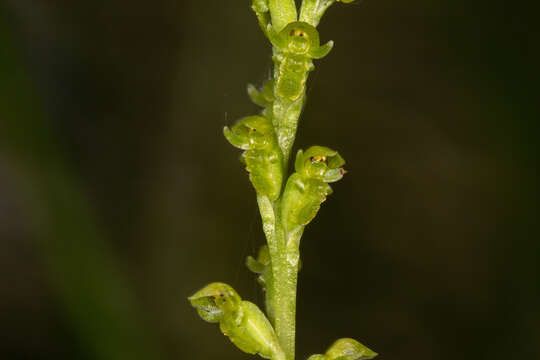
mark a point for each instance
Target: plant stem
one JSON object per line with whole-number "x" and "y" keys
{"x": 283, "y": 246}
{"x": 286, "y": 115}
{"x": 286, "y": 275}
{"x": 281, "y": 290}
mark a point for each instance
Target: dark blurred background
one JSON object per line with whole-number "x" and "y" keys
{"x": 119, "y": 196}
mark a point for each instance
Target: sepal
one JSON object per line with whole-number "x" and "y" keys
{"x": 282, "y": 12}
{"x": 207, "y": 309}
{"x": 322, "y": 50}
{"x": 212, "y": 300}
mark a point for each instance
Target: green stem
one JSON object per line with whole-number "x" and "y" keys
{"x": 286, "y": 115}
{"x": 281, "y": 290}
{"x": 286, "y": 275}
{"x": 283, "y": 246}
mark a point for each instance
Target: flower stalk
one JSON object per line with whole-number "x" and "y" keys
{"x": 286, "y": 203}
